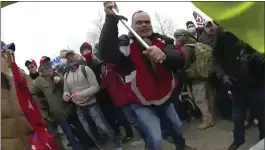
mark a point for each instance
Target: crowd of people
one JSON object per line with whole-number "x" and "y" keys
{"x": 155, "y": 90}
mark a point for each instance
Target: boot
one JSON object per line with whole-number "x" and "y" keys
{"x": 206, "y": 123}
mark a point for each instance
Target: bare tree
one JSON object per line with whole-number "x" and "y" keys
{"x": 94, "y": 34}
{"x": 164, "y": 25}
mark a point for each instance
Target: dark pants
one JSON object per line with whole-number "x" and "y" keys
{"x": 53, "y": 129}
{"x": 113, "y": 115}
{"x": 65, "y": 126}
{"x": 243, "y": 97}
{"x": 122, "y": 120}
{"x": 224, "y": 104}
{"x": 148, "y": 120}
{"x": 98, "y": 125}
{"x": 80, "y": 132}
{"x": 108, "y": 110}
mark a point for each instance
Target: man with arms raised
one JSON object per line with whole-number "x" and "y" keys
{"x": 147, "y": 75}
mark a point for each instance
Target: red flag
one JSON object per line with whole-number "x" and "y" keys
{"x": 26, "y": 103}
{"x": 41, "y": 139}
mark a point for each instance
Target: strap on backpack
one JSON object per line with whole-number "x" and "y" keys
{"x": 83, "y": 69}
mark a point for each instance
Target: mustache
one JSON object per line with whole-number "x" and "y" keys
{"x": 146, "y": 29}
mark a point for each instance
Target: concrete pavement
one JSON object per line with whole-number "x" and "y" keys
{"x": 216, "y": 138}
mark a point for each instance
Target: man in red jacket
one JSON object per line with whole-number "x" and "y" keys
{"x": 148, "y": 76}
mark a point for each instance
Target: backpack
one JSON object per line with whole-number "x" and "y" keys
{"x": 83, "y": 69}
{"x": 203, "y": 64}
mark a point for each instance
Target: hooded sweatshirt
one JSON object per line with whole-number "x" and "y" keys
{"x": 75, "y": 82}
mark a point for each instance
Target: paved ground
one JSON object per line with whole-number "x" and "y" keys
{"x": 216, "y": 138}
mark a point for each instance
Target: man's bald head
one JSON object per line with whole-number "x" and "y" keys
{"x": 141, "y": 23}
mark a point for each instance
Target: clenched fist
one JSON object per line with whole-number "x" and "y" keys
{"x": 108, "y": 8}
{"x": 155, "y": 54}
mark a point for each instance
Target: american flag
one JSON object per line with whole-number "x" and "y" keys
{"x": 198, "y": 18}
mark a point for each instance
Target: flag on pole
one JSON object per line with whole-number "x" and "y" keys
{"x": 198, "y": 18}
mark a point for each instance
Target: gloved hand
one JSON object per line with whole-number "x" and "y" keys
{"x": 227, "y": 80}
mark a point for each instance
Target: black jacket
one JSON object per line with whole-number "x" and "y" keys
{"x": 237, "y": 59}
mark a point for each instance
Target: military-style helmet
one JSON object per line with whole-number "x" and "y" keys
{"x": 181, "y": 32}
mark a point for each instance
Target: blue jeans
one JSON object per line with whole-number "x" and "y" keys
{"x": 69, "y": 134}
{"x": 243, "y": 98}
{"x": 149, "y": 119}
{"x": 98, "y": 125}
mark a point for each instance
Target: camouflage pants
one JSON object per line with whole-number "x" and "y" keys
{"x": 203, "y": 94}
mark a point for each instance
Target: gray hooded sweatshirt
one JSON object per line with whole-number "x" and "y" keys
{"x": 76, "y": 82}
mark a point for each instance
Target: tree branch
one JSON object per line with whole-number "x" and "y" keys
{"x": 164, "y": 26}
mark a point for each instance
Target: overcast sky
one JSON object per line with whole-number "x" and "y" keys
{"x": 45, "y": 28}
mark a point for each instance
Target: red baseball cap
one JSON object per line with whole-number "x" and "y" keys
{"x": 44, "y": 59}
{"x": 30, "y": 61}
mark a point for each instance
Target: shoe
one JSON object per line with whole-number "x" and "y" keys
{"x": 234, "y": 146}
{"x": 169, "y": 139}
{"x": 248, "y": 125}
{"x": 206, "y": 124}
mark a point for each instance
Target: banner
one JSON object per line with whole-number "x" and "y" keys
{"x": 199, "y": 19}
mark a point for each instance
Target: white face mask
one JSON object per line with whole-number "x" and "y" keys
{"x": 192, "y": 30}
{"x": 63, "y": 60}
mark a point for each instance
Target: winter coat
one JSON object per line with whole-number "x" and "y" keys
{"x": 15, "y": 129}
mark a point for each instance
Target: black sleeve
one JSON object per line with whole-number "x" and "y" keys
{"x": 174, "y": 60}
{"x": 218, "y": 47}
{"x": 109, "y": 41}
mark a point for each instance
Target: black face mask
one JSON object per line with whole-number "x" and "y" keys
{"x": 34, "y": 75}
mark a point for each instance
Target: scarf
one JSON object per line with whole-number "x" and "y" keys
{"x": 71, "y": 66}
{"x": 34, "y": 75}
{"x": 88, "y": 57}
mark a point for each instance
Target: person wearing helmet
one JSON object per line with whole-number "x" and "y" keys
{"x": 200, "y": 86}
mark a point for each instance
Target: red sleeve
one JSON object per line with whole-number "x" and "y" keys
{"x": 179, "y": 49}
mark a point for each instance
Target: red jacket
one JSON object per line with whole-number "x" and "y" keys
{"x": 145, "y": 88}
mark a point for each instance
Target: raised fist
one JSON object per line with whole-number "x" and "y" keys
{"x": 108, "y": 7}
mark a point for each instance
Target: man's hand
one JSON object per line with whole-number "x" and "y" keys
{"x": 108, "y": 8}
{"x": 66, "y": 96}
{"x": 76, "y": 97}
{"x": 155, "y": 54}
{"x": 56, "y": 79}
